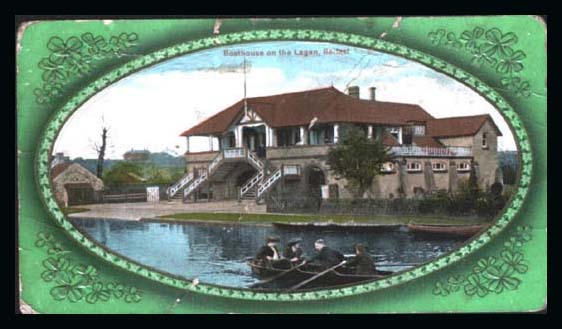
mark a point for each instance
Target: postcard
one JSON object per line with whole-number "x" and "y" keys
{"x": 282, "y": 165}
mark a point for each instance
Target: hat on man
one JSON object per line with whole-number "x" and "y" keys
{"x": 272, "y": 238}
{"x": 293, "y": 241}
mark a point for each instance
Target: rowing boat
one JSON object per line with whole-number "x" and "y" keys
{"x": 332, "y": 278}
{"x": 463, "y": 230}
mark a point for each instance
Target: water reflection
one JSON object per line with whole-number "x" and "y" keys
{"x": 217, "y": 253}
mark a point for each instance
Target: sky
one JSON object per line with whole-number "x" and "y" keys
{"x": 151, "y": 108}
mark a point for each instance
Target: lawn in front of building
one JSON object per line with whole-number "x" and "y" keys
{"x": 320, "y": 218}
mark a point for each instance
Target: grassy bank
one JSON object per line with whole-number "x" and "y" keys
{"x": 312, "y": 218}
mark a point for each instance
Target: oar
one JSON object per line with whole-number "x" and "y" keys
{"x": 316, "y": 276}
{"x": 275, "y": 277}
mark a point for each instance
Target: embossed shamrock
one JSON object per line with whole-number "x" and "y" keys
{"x": 514, "y": 260}
{"x": 43, "y": 239}
{"x": 524, "y": 233}
{"x": 133, "y": 295}
{"x": 523, "y": 89}
{"x": 95, "y": 44}
{"x": 98, "y": 292}
{"x": 63, "y": 51}
{"x": 501, "y": 278}
{"x": 479, "y": 56}
{"x": 498, "y": 43}
{"x": 513, "y": 243}
{"x": 88, "y": 272}
{"x": 117, "y": 289}
{"x": 71, "y": 287}
{"x": 54, "y": 268}
{"x": 475, "y": 286}
{"x": 436, "y": 36}
{"x": 485, "y": 264}
{"x": 455, "y": 282}
{"x": 52, "y": 71}
{"x": 472, "y": 38}
{"x": 511, "y": 61}
{"x": 441, "y": 289}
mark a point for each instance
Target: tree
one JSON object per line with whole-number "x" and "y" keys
{"x": 101, "y": 152}
{"x": 123, "y": 172}
{"x": 358, "y": 159}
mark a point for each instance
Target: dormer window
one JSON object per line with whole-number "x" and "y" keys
{"x": 485, "y": 140}
{"x": 395, "y": 132}
{"x": 439, "y": 167}
{"x": 418, "y": 130}
{"x": 413, "y": 167}
{"x": 463, "y": 167}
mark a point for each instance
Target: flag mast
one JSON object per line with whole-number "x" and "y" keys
{"x": 245, "y": 100}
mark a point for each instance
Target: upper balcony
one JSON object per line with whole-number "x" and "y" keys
{"x": 450, "y": 151}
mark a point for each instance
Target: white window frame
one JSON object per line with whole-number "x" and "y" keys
{"x": 485, "y": 141}
{"x": 414, "y": 166}
{"x": 467, "y": 165}
{"x": 435, "y": 164}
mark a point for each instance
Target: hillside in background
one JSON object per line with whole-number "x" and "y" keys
{"x": 158, "y": 159}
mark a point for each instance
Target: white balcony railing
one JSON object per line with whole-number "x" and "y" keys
{"x": 234, "y": 153}
{"x": 291, "y": 170}
{"x": 459, "y": 151}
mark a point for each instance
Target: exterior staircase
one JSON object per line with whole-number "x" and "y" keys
{"x": 254, "y": 189}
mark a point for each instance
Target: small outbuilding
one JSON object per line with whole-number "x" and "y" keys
{"x": 75, "y": 185}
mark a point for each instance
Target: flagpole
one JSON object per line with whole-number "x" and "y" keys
{"x": 245, "y": 100}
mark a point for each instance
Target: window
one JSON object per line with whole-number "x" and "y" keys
{"x": 394, "y": 131}
{"x": 387, "y": 167}
{"x": 485, "y": 140}
{"x": 288, "y": 136}
{"x": 419, "y": 130}
{"x": 464, "y": 166}
{"x": 439, "y": 166}
{"x": 413, "y": 166}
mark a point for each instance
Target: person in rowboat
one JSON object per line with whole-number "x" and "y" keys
{"x": 270, "y": 256}
{"x": 326, "y": 256}
{"x": 293, "y": 251}
{"x": 362, "y": 263}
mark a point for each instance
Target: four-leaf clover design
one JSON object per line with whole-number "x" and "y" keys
{"x": 498, "y": 43}
{"x": 71, "y": 287}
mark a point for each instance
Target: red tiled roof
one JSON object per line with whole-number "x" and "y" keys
{"x": 458, "y": 126}
{"x": 58, "y": 169}
{"x": 328, "y": 105}
{"x": 426, "y": 141}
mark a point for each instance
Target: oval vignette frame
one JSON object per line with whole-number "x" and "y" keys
{"x": 60, "y": 116}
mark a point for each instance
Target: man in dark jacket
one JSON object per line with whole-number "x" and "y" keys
{"x": 293, "y": 251}
{"x": 362, "y": 263}
{"x": 269, "y": 252}
{"x": 326, "y": 256}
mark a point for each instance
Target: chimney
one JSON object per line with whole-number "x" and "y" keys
{"x": 372, "y": 92}
{"x": 353, "y": 91}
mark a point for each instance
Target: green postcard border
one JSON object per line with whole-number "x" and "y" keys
{"x": 61, "y": 115}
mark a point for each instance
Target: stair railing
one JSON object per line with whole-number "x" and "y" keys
{"x": 198, "y": 181}
{"x": 254, "y": 160}
{"x": 251, "y": 183}
{"x": 172, "y": 190}
{"x": 269, "y": 182}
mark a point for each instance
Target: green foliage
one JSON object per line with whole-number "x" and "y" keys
{"x": 127, "y": 172}
{"x": 124, "y": 172}
{"x": 357, "y": 159}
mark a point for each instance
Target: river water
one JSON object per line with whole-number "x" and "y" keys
{"x": 216, "y": 253}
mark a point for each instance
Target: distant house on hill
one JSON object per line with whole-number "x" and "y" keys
{"x": 136, "y": 155}
{"x": 74, "y": 184}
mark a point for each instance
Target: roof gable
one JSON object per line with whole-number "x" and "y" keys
{"x": 459, "y": 126}
{"x": 325, "y": 105}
